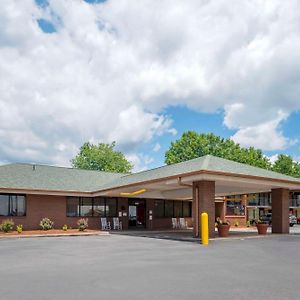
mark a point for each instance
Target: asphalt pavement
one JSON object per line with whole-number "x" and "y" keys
{"x": 133, "y": 267}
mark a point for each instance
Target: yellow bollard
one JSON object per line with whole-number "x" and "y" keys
{"x": 204, "y": 228}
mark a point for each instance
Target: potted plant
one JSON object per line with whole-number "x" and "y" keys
{"x": 223, "y": 227}
{"x": 262, "y": 226}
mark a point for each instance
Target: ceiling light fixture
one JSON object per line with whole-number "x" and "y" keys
{"x": 133, "y": 193}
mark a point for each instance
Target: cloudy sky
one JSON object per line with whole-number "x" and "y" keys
{"x": 141, "y": 72}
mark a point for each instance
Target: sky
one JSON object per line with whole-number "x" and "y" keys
{"x": 141, "y": 72}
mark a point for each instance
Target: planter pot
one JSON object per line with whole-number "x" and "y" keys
{"x": 223, "y": 230}
{"x": 262, "y": 228}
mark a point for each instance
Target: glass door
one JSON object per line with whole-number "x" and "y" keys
{"x": 136, "y": 213}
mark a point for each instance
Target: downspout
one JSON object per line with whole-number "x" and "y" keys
{"x": 183, "y": 184}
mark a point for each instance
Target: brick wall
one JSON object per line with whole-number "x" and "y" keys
{"x": 53, "y": 207}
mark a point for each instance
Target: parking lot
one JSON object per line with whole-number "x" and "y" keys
{"x": 128, "y": 267}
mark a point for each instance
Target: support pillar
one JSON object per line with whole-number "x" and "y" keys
{"x": 280, "y": 211}
{"x": 204, "y": 201}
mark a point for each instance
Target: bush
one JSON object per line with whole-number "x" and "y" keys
{"x": 7, "y": 225}
{"x": 65, "y": 227}
{"x": 19, "y": 228}
{"x": 82, "y": 224}
{"x": 46, "y": 224}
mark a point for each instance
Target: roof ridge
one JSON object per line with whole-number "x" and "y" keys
{"x": 181, "y": 162}
{"x": 60, "y": 167}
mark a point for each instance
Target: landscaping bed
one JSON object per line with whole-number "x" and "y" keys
{"x": 52, "y": 232}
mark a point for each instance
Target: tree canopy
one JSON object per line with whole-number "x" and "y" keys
{"x": 101, "y": 157}
{"x": 192, "y": 145}
{"x": 286, "y": 165}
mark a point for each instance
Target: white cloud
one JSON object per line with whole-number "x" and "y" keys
{"x": 273, "y": 158}
{"x": 156, "y": 147}
{"x": 266, "y": 135}
{"x": 140, "y": 161}
{"x": 111, "y": 69}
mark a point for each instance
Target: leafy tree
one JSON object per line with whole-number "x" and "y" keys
{"x": 101, "y": 157}
{"x": 192, "y": 145}
{"x": 286, "y": 165}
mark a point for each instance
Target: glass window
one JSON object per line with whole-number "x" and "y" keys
{"x": 187, "y": 209}
{"x": 178, "y": 209}
{"x": 99, "y": 207}
{"x": 253, "y": 200}
{"x": 111, "y": 207}
{"x": 21, "y": 208}
{"x": 12, "y": 205}
{"x": 73, "y": 206}
{"x": 159, "y": 208}
{"x": 86, "y": 207}
{"x": 16, "y": 205}
{"x": 169, "y": 208}
{"x": 4, "y": 200}
{"x": 235, "y": 208}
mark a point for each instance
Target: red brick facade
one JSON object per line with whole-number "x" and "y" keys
{"x": 54, "y": 207}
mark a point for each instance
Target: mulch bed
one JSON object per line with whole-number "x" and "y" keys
{"x": 52, "y": 232}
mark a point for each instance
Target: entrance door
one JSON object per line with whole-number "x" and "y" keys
{"x": 137, "y": 213}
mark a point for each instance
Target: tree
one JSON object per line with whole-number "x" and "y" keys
{"x": 101, "y": 157}
{"x": 286, "y": 165}
{"x": 192, "y": 145}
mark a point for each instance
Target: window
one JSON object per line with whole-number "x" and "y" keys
{"x": 17, "y": 205}
{"x": 111, "y": 207}
{"x": 159, "y": 210}
{"x": 12, "y": 205}
{"x": 89, "y": 207}
{"x": 178, "y": 209}
{"x": 86, "y": 207}
{"x": 169, "y": 212}
{"x": 172, "y": 209}
{"x": 261, "y": 199}
{"x": 235, "y": 208}
{"x": 73, "y": 208}
{"x": 187, "y": 209}
{"x": 4, "y": 200}
{"x": 99, "y": 207}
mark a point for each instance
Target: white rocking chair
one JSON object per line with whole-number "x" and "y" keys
{"x": 182, "y": 223}
{"x": 117, "y": 224}
{"x": 105, "y": 225}
{"x": 174, "y": 223}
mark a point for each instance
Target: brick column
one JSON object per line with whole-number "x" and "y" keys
{"x": 123, "y": 208}
{"x": 204, "y": 201}
{"x": 150, "y": 205}
{"x": 280, "y": 211}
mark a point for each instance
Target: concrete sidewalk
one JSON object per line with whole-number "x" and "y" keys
{"x": 187, "y": 235}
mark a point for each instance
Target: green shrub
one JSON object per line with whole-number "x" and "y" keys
{"x": 46, "y": 224}
{"x": 19, "y": 228}
{"x": 82, "y": 224}
{"x": 65, "y": 227}
{"x": 7, "y": 225}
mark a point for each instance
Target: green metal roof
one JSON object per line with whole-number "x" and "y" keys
{"x": 26, "y": 176}
{"x": 48, "y": 178}
{"x": 204, "y": 163}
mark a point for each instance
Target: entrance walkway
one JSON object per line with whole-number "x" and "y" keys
{"x": 187, "y": 235}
